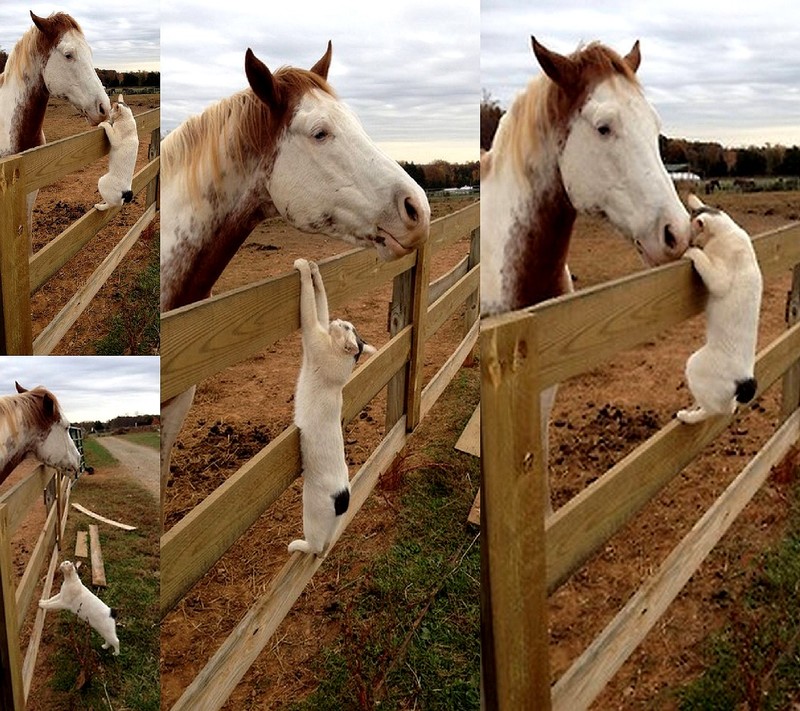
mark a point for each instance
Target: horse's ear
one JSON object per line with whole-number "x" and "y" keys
{"x": 20, "y": 389}
{"x": 49, "y": 406}
{"x": 43, "y": 24}
{"x": 322, "y": 66}
{"x": 261, "y": 80}
{"x": 562, "y": 70}
{"x": 634, "y": 58}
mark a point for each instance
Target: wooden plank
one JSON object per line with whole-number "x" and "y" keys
{"x": 196, "y": 542}
{"x": 419, "y": 313}
{"x": 215, "y": 682}
{"x": 444, "y": 282}
{"x": 29, "y": 664}
{"x": 473, "y": 303}
{"x": 474, "y": 516}
{"x": 585, "y": 679}
{"x": 12, "y": 691}
{"x": 514, "y": 496}
{"x": 153, "y": 151}
{"x": 24, "y": 494}
{"x": 470, "y": 439}
{"x": 790, "y": 391}
{"x": 202, "y": 339}
{"x": 434, "y": 389}
{"x": 580, "y": 331}
{"x": 587, "y": 521}
{"x": 399, "y": 318}
{"x": 27, "y": 584}
{"x": 111, "y": 522}
{"x": 455, "y": 226}
{"x": 47, "y": 164}
{"x": 15, "y": 303}
{"x": 82, "y": 544}
{"x": 54, "y": 255}
{"x": 48, "y": 339}
{"x": 451, "y": 300}
{"x": 98, "y": 567}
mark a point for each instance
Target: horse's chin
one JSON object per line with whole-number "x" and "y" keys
{"x": 389, "y": 248}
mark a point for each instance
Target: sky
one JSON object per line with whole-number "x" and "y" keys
{"x": 89, "y": 387}
{"x": 123, "y": 34}
{"x": 409, "y": 69}
{"x": 715, "y": 71}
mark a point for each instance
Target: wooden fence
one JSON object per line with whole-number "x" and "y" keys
{"x": 203, "y": 339}
{"x": 16, "y": 674}
{"x": 22, "y": 275}
{"x": 528, "y": 555}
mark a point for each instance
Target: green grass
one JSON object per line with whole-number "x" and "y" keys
{"x": 134, "y": 330}
{"x": 83, "y": 675}
{"x": 96, "y": 454}
{"x": 754, "y": 662}
{"x": 147, "y": 439}
{"x": 410, "y": 633}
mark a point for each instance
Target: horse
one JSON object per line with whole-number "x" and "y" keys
{"x": 285, "y": 145}
{"x": 581, "y": 138}
{"x": 51, "y": 59}
{"x": 32, "y": 423}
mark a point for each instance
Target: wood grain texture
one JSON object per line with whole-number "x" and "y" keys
{"x": 12, "y": 692}
{"x": 24, "y": 494}
{"x": 513, "y": 494}
{"x": 96, "y": 552}
{"x": 419, "y": 314}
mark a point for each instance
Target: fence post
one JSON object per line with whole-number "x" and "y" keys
{"x": 12, "y": 695}
{"x": 152, "y": 152}
{"x": 15, "y": 300}
{"x": 514, "y": 494}
{"x": 472, "y": 307}
{"x": 399, "y": 318}
{"x": 421, "y": 277}
{"x": 790, "y": 400}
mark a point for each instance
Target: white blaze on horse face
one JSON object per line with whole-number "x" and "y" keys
{"x": 610, "y": 164}
{"x": 329, "y": 177}
{"x": 69, "y": 75}
{"x": 57, "y": 449}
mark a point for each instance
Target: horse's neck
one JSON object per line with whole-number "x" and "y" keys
{"x": 22, "y": 107}
{"x": 529, "y": 219}
{"x": 203, "y": 235}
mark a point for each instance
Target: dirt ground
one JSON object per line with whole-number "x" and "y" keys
{"x": 234, "y": 415}
{"x": 58, "y": 206}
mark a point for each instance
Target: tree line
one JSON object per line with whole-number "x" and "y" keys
{"x": 440, "y": 174}
{"x": 706, "y": 159}
{"x": 110, "y": 77}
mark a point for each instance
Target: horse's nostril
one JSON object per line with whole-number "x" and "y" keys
{"x": 411, "y": 211}
{"x": 669, "y": 239}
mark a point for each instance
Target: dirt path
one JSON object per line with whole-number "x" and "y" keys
{"x": 141, "y": 462}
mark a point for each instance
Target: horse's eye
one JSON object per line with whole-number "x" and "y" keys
{"x": 321, "y": 135}
{"x": 69, "y": 56}
{"x": 604, "y": 129}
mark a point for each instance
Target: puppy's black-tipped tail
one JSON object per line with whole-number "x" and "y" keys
{"x": 127, "y": 196}
{"x": 746, "y": 390}
{"x": 341, "y": 502}
{"x": 113, "y": 612}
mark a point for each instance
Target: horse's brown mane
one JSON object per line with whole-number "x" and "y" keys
{"x": 34, "y": 42}
{"x": 246, "y": 125}
{"x": 545, "y": 107}
{"x": 31, "y": 404}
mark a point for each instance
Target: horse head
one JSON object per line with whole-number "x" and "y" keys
{"x": 609, "y": 158}
{"x": 68, "y": 70}
{"x": 327, "y": 175}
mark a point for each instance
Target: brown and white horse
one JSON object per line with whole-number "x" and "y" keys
{"x": 284, "y": 146}
{"x": 51, "y": 59}
{"x": 581, "y": 138}
{"x": 32, "y": 423}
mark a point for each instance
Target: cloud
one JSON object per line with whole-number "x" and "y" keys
{"x": 89, "y": 387}
{"x": 729, "y": 70}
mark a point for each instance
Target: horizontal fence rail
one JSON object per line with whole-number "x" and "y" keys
{"x": 16, "y": 598}
{"x": 524, "y": 353}
{"x": 200, "y": 340}
{"x": 21, "y": 275}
